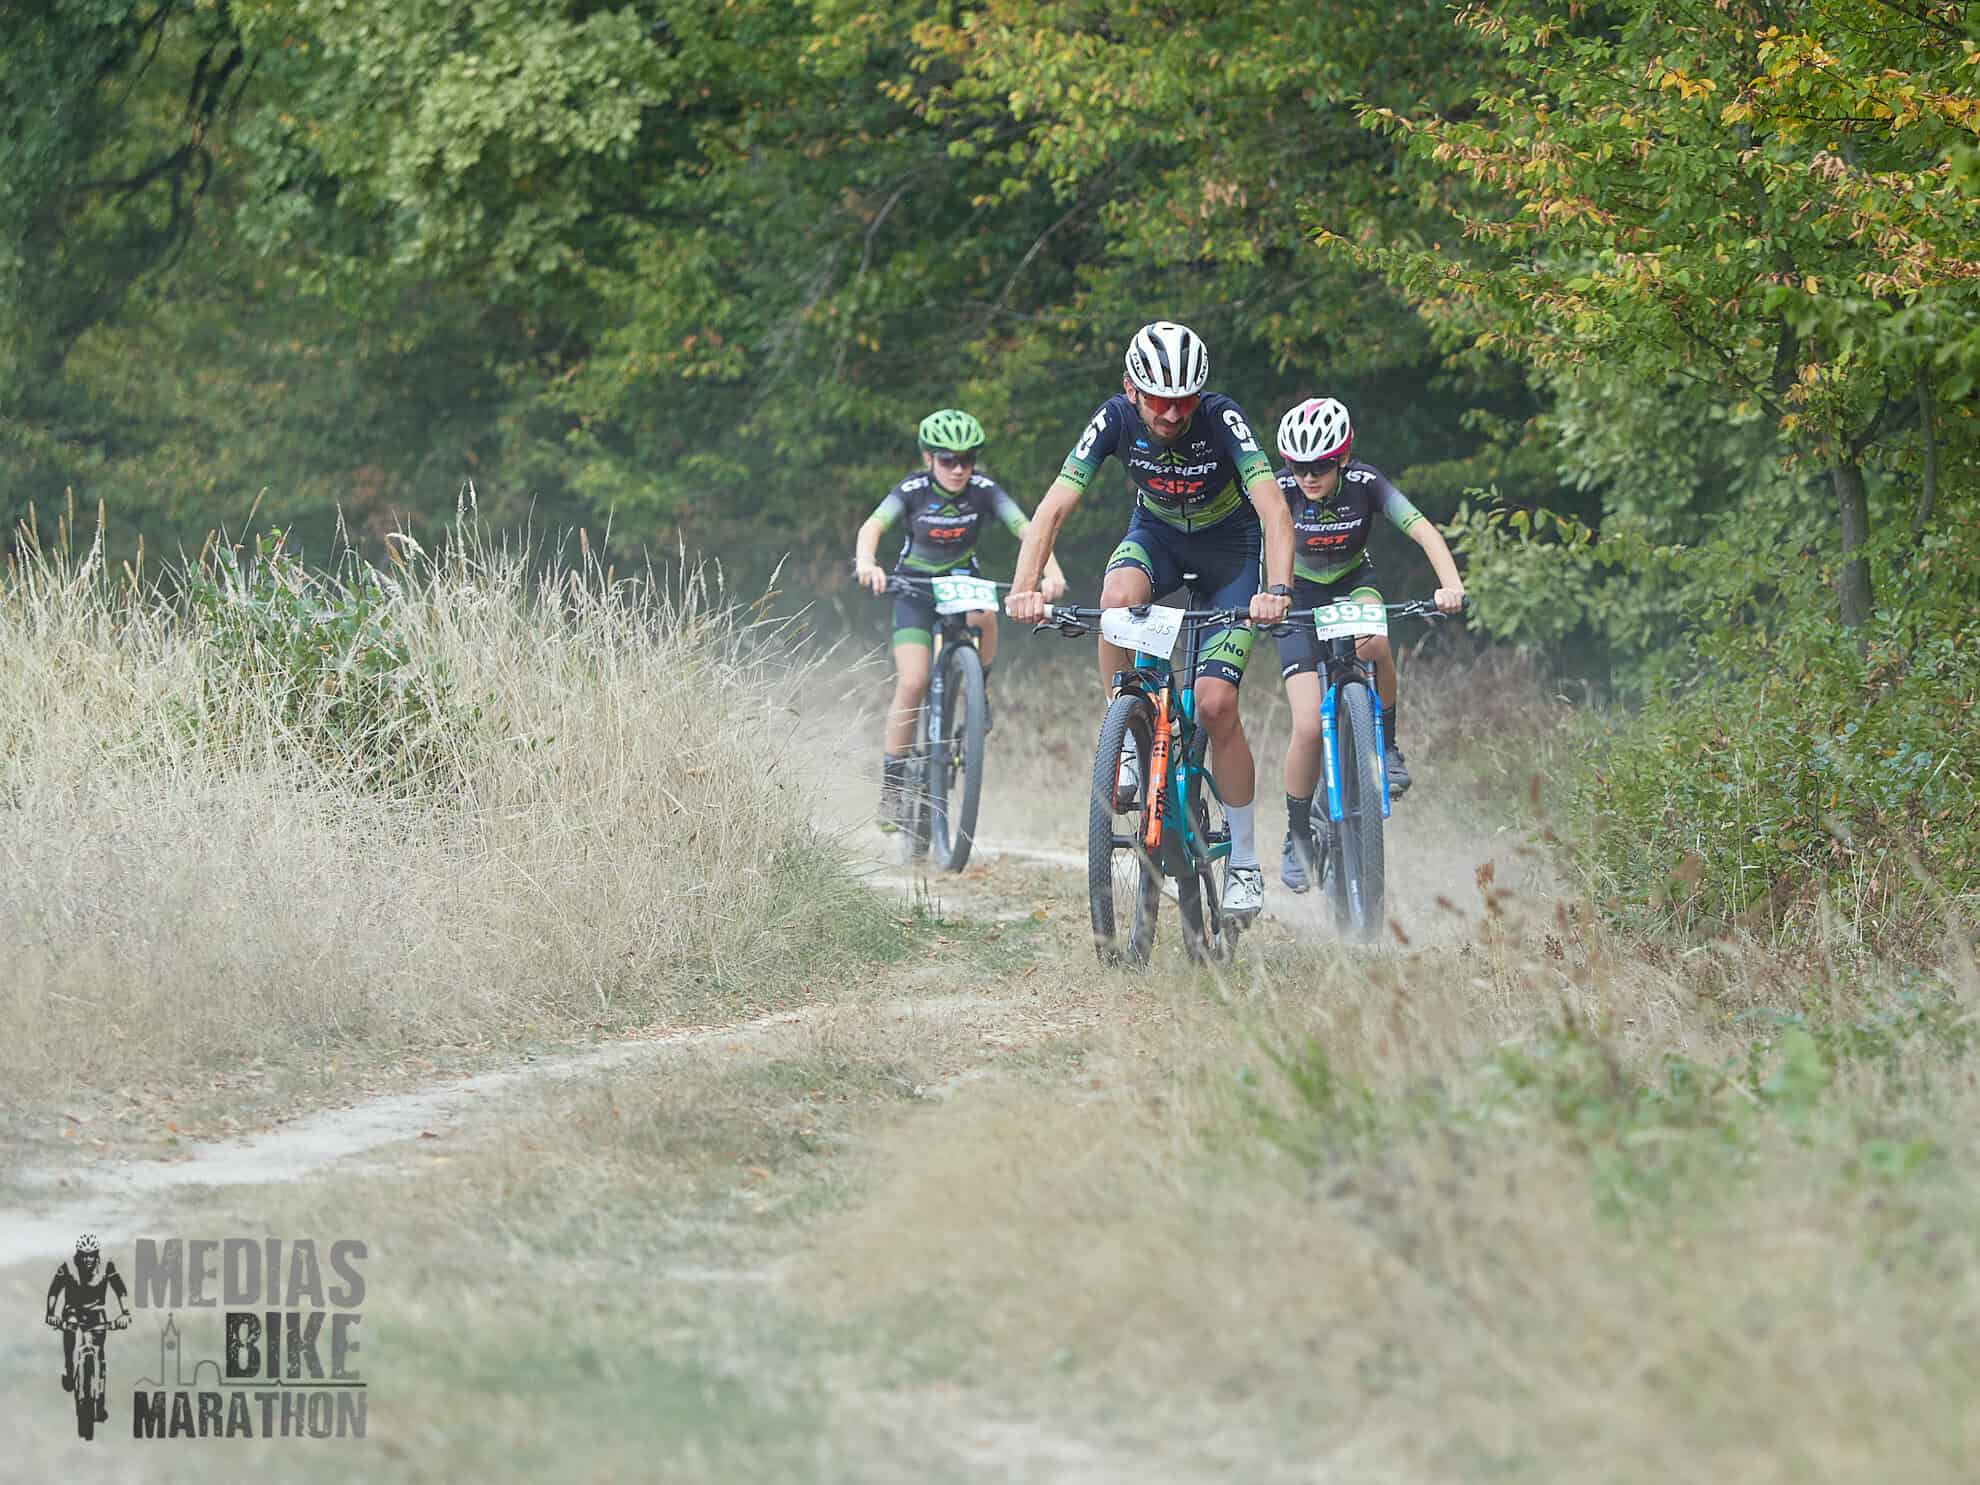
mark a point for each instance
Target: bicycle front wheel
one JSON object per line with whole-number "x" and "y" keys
{"x": 86, "y": 1390}
{"x": 1123, "y": 887}
{"x": 1355, "y": 874}
{"x": 955, "y": 772}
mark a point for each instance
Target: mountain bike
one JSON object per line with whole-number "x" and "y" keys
{"x": 89, "y": 1367}
{"x": 943, "y": 785}
{"x": 1168, "y": 830}
{"x": 1348, "y": 813}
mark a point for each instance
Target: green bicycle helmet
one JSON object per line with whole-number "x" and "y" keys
{"x": 951, "y": 429}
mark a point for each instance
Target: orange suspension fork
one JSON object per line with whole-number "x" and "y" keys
{"x": 1158, "y": 772}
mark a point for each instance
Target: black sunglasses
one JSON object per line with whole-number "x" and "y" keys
{"x": 956, "y": 461}
{"x": 1315, "y": 466}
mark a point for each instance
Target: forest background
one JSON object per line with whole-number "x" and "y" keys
{"x": 1670, "y": 314}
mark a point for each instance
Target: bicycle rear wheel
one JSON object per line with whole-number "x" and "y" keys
{"x": 1355, "y": 872}
{"x": 955, "y": 772}
{"x": 1123, "y": 887}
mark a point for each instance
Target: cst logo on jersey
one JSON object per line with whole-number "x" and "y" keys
{"x": 1170, "y": 473}
{"x": 943, "y": 523}
{"x": 1317, "y": 535}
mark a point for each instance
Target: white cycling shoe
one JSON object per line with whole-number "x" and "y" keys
{"x": 1244, "y": 892}
{"x": 1127, "y": 784}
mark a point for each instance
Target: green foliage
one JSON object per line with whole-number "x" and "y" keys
{"x": 317, "y": 665}
{"x": 1796, "y": 769}
{"x": 1657, "y": 1136}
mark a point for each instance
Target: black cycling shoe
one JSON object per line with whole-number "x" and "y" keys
{"x": 103, "y": 1410}
{"x": 1398, "y": 771}
{"x": 68, "y": 1381}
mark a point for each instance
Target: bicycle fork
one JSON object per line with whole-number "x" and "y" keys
{"x": 1158, "y": 773}
{"x": 1331, "y": 754}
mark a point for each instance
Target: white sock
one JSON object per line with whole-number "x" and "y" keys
{"x": 1244, "y": 840}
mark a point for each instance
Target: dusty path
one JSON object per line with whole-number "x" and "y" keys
{"x": 967, "y": 1025}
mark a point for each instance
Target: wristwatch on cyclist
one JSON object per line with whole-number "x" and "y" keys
{"x": 1280, "y": 590}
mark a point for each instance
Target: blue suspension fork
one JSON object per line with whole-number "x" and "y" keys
{"x": 1331, "y": 753}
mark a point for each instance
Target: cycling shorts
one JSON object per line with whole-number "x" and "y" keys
{"x": 1227, "y": 559}
{"x": 1299, "y": 651}
{"x": 914, "y": 613}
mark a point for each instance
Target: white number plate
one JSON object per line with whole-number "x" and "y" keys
{"x": 1153, "y": 633}
{"x": 963, "y": 595}
{"x": 1342, "y": 620}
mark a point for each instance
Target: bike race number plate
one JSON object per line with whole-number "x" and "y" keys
{"x": 1152, "y": 632}
{"x": 1344, "y": 620}
{"x": 963, "y": 595}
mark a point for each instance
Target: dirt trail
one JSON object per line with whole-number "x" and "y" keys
{"x": 1029, "y": 819}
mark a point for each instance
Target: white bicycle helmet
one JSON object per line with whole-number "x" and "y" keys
{"x": 1317, "y": 429}
{"x": 1167, "y": 360}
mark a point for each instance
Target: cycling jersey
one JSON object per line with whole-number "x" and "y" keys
{"x": 943, "y": 528}
{"x": 1198, "y": 481}
{"x": 68, "y": 1294}
{"x": 1330, "y": 536}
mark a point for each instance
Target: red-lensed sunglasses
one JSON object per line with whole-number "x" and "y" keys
{"x": 1159, "y": 407}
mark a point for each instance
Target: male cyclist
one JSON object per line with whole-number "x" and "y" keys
{"x": 1205, "y": 502}
{"x": 943, "y": 503}
{"x": 80, "y": 1292}
{"x": 1333, "y": 500}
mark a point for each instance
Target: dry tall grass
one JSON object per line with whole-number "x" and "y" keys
{"x": 621, "y": 833}
{"x": 1538, "y": 1208}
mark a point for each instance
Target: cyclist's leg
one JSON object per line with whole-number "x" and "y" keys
{"x": 1227, "y": 560}
{"x": 1142, "y": 566}
{"x": 68, "y": 1359}
{"x": 914, "y": 618}
{"x": 914, "y": 624}
{"x": 1375, "y": 649}
{"x": 984, "y": 622}
{"x": 1299, "y": 667}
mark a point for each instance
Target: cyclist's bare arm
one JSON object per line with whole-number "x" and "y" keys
{"x": 1024, "y": 602}
{"x": 115, "y": 1281}
{"x": 1450, "y": 587}
{"x": 866, "y": 566}
{"x": 1053, "y": 584}
{"x": 1270, "y": 503}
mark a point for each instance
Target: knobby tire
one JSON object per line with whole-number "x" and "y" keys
{"x": 1355, "y": 869}
{"x": 952, "y": 809}
{"x": 1123, "y": 888}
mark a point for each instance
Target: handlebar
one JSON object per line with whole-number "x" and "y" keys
{"x": 902, "y": 582}
{"x": 1414, "y": 608}
{"x": 1074, "y": 621}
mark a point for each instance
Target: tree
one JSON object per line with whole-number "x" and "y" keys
{"x": 1773, "y": 202}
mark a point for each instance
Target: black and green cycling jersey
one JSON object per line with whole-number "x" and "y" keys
{"x": 1198, "y": 481}
{"x": 1330, "y": 536}
{"x": 943, "y": 528}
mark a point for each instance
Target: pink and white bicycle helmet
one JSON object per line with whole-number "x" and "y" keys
{"x": 1317, "y": 429}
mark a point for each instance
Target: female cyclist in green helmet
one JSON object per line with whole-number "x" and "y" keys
{"x": 943, "y": 504}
